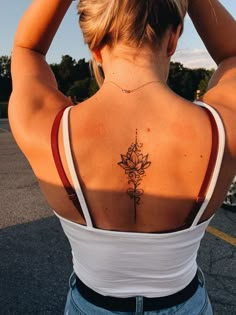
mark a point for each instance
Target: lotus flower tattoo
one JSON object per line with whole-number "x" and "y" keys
{"x": 134, "y": 163}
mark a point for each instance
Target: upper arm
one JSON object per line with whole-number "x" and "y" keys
{"x": 35, "y": 98}
{"x": 28, "y": 66}
{"x": 224, "y": 75}
{"x": 221, "y": 94}
{"x": 222, "y": 86}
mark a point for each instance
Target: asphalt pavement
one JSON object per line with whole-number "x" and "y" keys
{"x": 35, "y": 258}
{"x": 4, "y": 125}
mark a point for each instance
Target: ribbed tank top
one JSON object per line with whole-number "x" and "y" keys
{"x": 124, "y": 264}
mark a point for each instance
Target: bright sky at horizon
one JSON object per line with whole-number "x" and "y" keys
{"x": 191, "y": 51}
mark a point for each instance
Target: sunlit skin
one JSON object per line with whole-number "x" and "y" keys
{"x": 175, "y": 133}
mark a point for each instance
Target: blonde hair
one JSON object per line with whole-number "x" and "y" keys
{"x": 132, "y": 22}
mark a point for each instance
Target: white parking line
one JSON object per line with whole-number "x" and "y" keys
{"x": 3, "y": 130}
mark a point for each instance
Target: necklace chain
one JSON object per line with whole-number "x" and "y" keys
{"x": 133, "y": 90}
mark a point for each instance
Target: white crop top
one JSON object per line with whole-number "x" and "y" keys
{"x": 124, "y": 264}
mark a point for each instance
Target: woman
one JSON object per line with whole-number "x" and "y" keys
{"x": 135, "y": 173}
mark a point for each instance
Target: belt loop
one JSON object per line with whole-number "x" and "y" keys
{"x": 139, "y": 305}
{"x": 72, "y": 280}
{"x": 201, "y": 279}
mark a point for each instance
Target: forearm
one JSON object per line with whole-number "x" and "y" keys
{"x": 216, "y": 27}
{"x": 39, "y": 24}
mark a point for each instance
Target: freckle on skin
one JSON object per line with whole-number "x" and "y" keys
{"x": 148, "y": 129}
{"x": 201, "y": 156}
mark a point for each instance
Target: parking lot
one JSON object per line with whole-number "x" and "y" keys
{"x": 35, "y": 256}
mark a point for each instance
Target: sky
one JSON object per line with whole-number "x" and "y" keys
{"x": 69, "y": 41}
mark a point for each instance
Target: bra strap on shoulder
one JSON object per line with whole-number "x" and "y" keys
{"x": 71, "y": 166}
{"x": 214, "y": 165}
{"x": 57, "y": 159}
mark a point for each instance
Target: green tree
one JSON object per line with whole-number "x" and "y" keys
{"x": 80, "y": 89}
{"x": 176, "y": 76}
{"x": 68, "y": 72}
{"x": 185, "y": 82}
{"x": 203, "y": 84}
{"x": 93, "y": 87}
{"x": 5, "y": 78}
{"x": 82, "y": 69}
{"x": 65, "y": 73}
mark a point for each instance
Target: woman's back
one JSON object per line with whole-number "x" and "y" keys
{"x": 151, "y": 165}
{"x": 175, "y": 134}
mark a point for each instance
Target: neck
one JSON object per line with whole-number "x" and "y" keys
{"x": 129, "y": 69}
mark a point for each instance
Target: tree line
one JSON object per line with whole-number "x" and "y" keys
{"x": 75, "y": 80}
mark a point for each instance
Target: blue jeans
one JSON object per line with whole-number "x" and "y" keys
{"x": 198, "y": 304}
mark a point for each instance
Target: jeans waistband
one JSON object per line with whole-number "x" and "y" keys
{"x": 129, "y": 304}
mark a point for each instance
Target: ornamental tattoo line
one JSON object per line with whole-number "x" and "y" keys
{"x": 134, "y": 163}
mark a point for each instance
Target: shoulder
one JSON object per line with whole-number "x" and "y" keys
{"x": 35, "y": 98}
{"x": 31, "y": 119}
{"x": 221, "y": 88}
{"x": 221, "y": 96}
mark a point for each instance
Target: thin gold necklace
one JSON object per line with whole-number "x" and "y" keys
{"x": 133, "y": 90}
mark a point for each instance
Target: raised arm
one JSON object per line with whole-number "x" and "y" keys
{"x": 39, "y": 24}
{"x": 216, "y": 27}
{"x": 35, "y": 97}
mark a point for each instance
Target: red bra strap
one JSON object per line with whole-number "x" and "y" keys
{"x": 210, "y": 168}
{"x": 57, "y": 159}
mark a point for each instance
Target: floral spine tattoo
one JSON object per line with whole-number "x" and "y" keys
{"x": 134, "y": 163}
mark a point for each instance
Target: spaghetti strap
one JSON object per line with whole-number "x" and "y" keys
{"x": 219, "y": 158}
{"x": 58, "y": 163}
{"x": 71, "y": 166}
{"x": 207, "y": 188}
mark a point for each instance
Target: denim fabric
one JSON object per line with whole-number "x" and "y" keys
{"x": 198, "y": 304}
